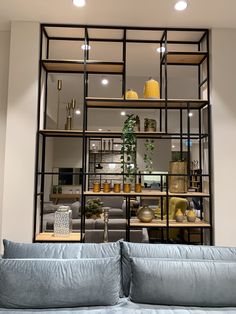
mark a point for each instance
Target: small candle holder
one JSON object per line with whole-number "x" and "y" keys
{"x": 70, "y": 107}
{"x": 106, "y": 187}
{"x": 59, "y": 88}
{"x": 116, "y": 188}
{"x": 96, "y": 187}
{"x": 138, "y": 188}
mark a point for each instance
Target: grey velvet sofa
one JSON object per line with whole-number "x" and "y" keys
{"x": 117, "y": 277}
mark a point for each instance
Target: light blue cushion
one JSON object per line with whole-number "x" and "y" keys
{"x": 41, "y": 283}
{"x": 169, "y": 251}
{"x": 183, "y": 282}
{"x": 60, "y": 250}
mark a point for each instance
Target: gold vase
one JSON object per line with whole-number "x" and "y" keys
{"x": 145, "y": 214}
{"x": 106, "y": 187}
{"x": 191, "y": 215}
{"x": 131, "y": 94}
{"x": 179, "y": 216}
{"x": 96, "y": 187}
{"x": 127, "y": 187}
{"x": 178, "y": 184}
{"x": 151, "y": 89}
{"x": 116, "y": 188}
{"x": 138, "y": 188}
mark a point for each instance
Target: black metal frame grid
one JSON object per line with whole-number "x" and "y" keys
{"x": 184, "y": 107}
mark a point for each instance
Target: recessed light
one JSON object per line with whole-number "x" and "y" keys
{"x": 116, "y": 145}
{"x": 173, "y": 146}
{"x": 79, "y": 3}
{"x": 99, "y": 130}
{"x": 104, "y": 81}
{"x": 93, "y": 145}
{"x": 77, "y": 112}
{"x": 123, "y": 113}
{"x": 161, "y": 49}
{"x": 85, "y": 47}
{"x": 181, "y": 5}
{"x": 190, "y": 114}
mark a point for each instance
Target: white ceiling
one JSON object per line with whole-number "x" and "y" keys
{"x": 200, "y": 13}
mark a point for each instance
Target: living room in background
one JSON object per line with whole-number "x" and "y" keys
{"x": 85, "y": 73}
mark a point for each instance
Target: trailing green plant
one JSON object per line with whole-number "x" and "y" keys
{"x": 148, "y": 156}
{"x": 93, "y": 207}
{"x": 129, "y": 148}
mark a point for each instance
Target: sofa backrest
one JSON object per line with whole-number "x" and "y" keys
{"x": 60, "y": 250}
{"x": 127, "y": 251}
{"x": 130, "y": 250}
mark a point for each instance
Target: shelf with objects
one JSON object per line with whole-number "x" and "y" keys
{"x": 85, "y": 109}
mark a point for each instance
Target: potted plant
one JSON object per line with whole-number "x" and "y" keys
{"x": 128, "y": 151}
{"x": 149, "y": 147}
{"x": 93, "y": 208}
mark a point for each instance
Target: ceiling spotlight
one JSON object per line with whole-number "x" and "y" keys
{"x": 173, "y": 146}
{"x": 100, "y": 130}
{"x": 161, "y": 49}
{"x": 93, "y": 145}
{"x": 85, "y": 47}
{"x": 104, "y": 81}
{"x": 190, "y": 114}
{"x": 181, "y": 5}
{"x": 123, "y": 113}
{"x": 79, "y": 3}
{"x": 77, "y": 112}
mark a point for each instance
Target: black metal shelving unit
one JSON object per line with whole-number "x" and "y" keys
{"x": 197, "y": 56}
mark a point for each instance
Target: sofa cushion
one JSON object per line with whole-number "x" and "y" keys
{"x": 183, "y": 282}
{"x": 169, "y": 251}
{"x": 75, "y": 207}
{"x": 60, "y": 250}
{"x": 47, "y": 283}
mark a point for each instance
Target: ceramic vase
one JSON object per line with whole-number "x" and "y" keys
{"x": 179, "y": 216}
{"x": 145, "y": 214}
{"x": 151, "y": 89}
{"x": 191, "y": 216}
{"x": 131, "y": 94}
{"x": 63, "y": 222}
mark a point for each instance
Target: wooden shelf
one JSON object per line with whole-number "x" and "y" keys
{"x": 144, "y": 193}
{"x": 119, "y": 103}
{"x": 148, "y": 193}
{"x": 184, "y": 58}
{"x": 78, "y": 66}
{"x": 49, "y": 237}
{"x": 135, "y": 222}
{"x": 61, "y": 133}
{"x": 61, "y": 196}
{"x": 158, "y": 135}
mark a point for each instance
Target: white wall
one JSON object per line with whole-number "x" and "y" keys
{"x": 4, "y": 66}
{"x": 224, "y": 131}
{"x": 21, "y": 132}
